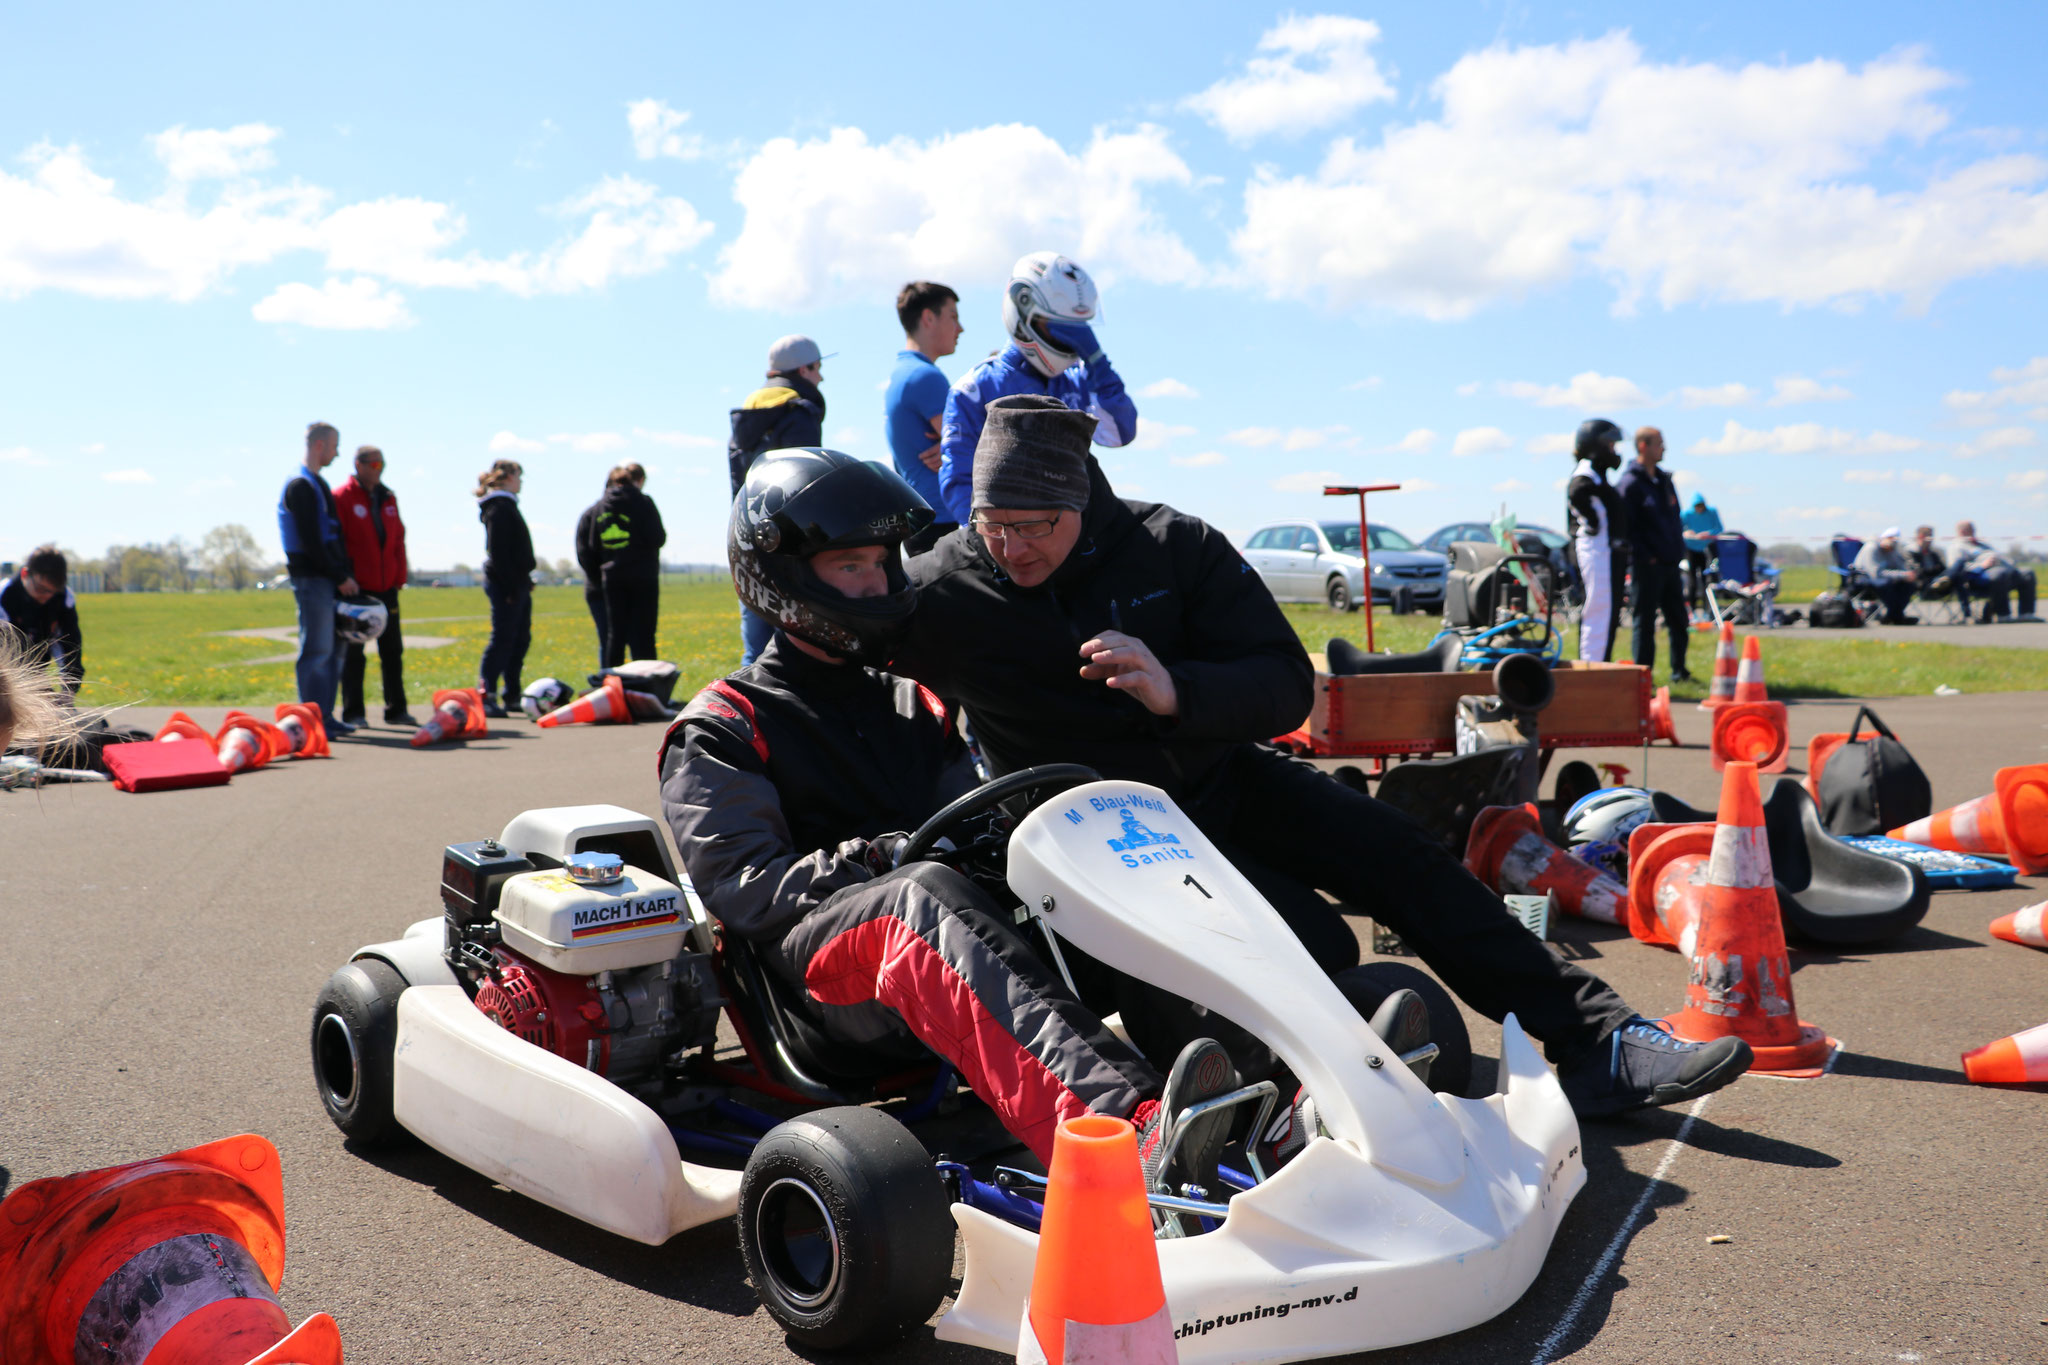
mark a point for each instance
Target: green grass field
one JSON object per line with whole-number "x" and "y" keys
{"x": 167, "y": 649}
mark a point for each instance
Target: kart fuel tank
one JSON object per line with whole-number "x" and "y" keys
{"x": 581, "y": 922}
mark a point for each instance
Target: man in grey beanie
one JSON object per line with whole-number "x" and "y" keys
{"x": 1031, "y": 483}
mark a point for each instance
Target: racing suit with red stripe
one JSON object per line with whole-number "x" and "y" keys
{"x": 775, "y": 780}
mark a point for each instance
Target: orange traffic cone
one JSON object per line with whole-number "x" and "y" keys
{"x": 246, "y": 742}
{"x": 458, "y": 714}
{"x": 1721, "y": 692}
{"x": 1725, "y": 907}
{"x": 2011, "y": 820}
{"x": 2017, "y": 1060}
{"x": 1754, "y": 732}
{"x": 1096, "y": 1294}
{"x": 182, "y": 726}
{"x": 303, "y": 729}
{"x": 603, "y": 706}
{"x": 1819, "y": 750}
{"x": 2023, "y": 926}
{"x": 1508, "y": 852}
{"x": 1749, "y": 672}
{"x": 176, "y": 1259}
{"x": 1660, "y": 718}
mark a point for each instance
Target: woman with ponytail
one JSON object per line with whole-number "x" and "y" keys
{"x": 508, "y": 583}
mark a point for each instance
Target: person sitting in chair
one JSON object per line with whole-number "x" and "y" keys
{"x": 1991, "y": 575}
{"x": 1890, "y": 575}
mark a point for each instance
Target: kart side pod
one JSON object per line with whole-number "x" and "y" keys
{"x": 1419, "y": 1215}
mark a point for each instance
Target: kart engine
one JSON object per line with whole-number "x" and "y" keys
{"x": 589, "y": 960}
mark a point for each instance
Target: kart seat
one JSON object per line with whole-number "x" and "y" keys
{"x": 1444, "y": 795}
{"x": 795, "y": 1051}
{"x": 1349, "y": 660}
{"x": 1828, "y": 891}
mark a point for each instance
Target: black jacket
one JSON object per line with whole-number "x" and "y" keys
{"x": 508, "y": 547}
{"x": 1011, "y": 655}
{"x": 775, "y": 778}
{"x": 319, "y": 556}
{"x": 51, "y": 628}
{"x": 785, "y": 412}
{"x": 1592, "y": 506}
{"x": 1655, "y": 531}
{"x": 619, "y": 538}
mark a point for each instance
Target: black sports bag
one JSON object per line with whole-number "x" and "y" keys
{"x": 1871, "y": 784}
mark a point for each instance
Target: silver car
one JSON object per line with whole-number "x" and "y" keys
{"x": 1318, "y": 561}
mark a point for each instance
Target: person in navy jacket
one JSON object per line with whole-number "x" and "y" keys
{"x": 315, "y": 556}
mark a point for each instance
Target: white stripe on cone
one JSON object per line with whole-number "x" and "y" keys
{"x": 1741, "y": 857}
{"x": 1147, "y": 1342}
{"x": 238, "y": 748}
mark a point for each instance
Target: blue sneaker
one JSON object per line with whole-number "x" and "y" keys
{"x": 1642, "y": 1064}
{"x": 336, "y": 727}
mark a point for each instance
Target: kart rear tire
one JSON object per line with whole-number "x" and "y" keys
{"x": 846, "y": 1229}
{"x": 355, "y": 1036}
{"x": 1365, "y": 986}
{"x": 1338, "y": 594}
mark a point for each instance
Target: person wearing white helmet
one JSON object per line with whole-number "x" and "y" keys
{"x": 1050, "y": 306}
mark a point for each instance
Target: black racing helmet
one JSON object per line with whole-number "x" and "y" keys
{"x": 795, "y": 503}
{"x": 1596, "y": 441}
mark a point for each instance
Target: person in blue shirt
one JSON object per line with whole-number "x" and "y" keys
{"x": 915, "y": 405}
{"x": 1702, "y": 523}
{"x": 1049, "y": 307}
{"x": 309, "y": 524}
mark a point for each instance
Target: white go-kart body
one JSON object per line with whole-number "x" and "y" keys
{"x": 1418, "y": 1215}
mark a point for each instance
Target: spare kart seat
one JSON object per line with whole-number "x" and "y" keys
{"x": 1477, "y": 585}
{"x": 1828, "y": 891}
{"x": 1444, "y": 795}
{"x": 1347, "y": 659}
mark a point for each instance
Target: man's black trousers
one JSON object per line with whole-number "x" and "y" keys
{"x": 390, "y": 661}
{"x": 1655, "y": 588}
{"x": 630, "y": 610}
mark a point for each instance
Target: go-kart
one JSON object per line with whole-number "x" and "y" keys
{"x": 556, "y": 1031}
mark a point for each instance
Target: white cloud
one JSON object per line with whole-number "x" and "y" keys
{"x": 1322, "y": 73}
{"x": 1206, "y": 460}
{"x": 2017, "y": 387}
{"x": 96, "y": 448}
{"x": 1511, "y": 486}
{"x": 1588, "y": 390}
{"x": 360, "y": 304}
{"x": 1167, "y": 388}
{"x": 658, "y": 131}
{"x": 1942, "y": 483}
{"x": 682, "y": 439}
{"x": 1796, "y": 388}
{"x": 1686, "y": 478}
{"x": 22, "y": 455}
{"x": 589, "y": 442}
{"x": 215, "y": 153}
{"x": 128, "y": 476}
{"x": 2029, "y": 478}
{"x": 1293, "y": 438}
{"x": 1867, "y": 476}
{"x": 1254, "y": 436}
{"x": 509, "y": 443}
{"x": 1480, "y": 441}
{"x": 838, "y": 218}
{"x": 1556, "y": 443}
{"x": 1719, "y": 396}
{"x": 1365, "y": 385}
{"x": 1804, "y": 438}
{"x": 2002, "y": 438}
{"x": 1417, "y": 442}
{"x": 1157, "y": 435}
{"x": 1309, "y": 481}
{"x": 1469, "y": 389}
{"x": 1813, "y": 513}
{"x": 1681, "y": 182}
{"x": 1420, "y": 486}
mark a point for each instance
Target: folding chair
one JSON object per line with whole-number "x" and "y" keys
{"x": 1947, "y": 595}
{"x": 1736, "y": 590}
{"x": 1858, "y": 589}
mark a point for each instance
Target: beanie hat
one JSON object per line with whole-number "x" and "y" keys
{"x": 1033, "y": 454}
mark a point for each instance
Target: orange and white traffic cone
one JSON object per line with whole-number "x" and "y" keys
{"x": 1725, "y": 908}
{"x": 1660, "y": 718}
{"x": 2021, "y": 1059}
{"x": 1507, "y": 851}
{"x": 176, "y": 1259}
{"x": 1749, "y": 673}
{"x": 2023, "y": 926}
{"x": 244, "y": 742}
{"x": 1721, "y": 691}
{"x": 2011, "y": 820}
{"x": 1754, "y": 732}
{"x": 1096, "y": 1294}
{"x": 303, "y": 729}
{"x": 458, "y": 714}
{"x": 606, "y": 705}
{"x": 182, "y": 726}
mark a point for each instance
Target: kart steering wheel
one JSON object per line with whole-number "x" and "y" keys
{"x": 1057, "y": 776}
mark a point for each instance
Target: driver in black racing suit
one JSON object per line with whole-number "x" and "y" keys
{"x": 788, "y": 785}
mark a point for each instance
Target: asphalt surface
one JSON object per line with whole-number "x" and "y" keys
{"x": 163, "y": 952}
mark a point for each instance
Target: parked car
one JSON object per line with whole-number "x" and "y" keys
{"x": 1533, "y": 540}
{"x": 1310, "y": 561}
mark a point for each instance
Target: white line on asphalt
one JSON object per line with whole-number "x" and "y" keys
{"x": 1620, "y": 1239}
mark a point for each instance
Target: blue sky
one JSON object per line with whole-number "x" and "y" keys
{"x": 1412, "y": 243}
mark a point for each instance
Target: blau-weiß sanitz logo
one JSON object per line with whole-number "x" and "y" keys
{"x": 1138, "y": 843}
{"x": 1138, "y": 835}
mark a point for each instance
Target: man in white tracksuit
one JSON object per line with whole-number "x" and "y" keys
{"x": 1599, "y": 528}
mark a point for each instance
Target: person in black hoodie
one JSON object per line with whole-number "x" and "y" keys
{"x": 1656, "y": 552}
{"x": 786, "y": 413}
{"x": 508, "y": 583}
{"x": 1079, "y": 628}
{"x": 621, "y": 538}
{"x": 40, "y": 606}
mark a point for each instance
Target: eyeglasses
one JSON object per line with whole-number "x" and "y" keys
{"x": 1036, "y": 529}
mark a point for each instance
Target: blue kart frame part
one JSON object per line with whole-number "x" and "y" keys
{"x": 1490, "y": 646}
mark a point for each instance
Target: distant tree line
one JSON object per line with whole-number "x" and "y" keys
{"x": 226, "y": 559}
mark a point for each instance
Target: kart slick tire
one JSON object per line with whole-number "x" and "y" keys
{"x": 846, "y": 1229}
{"x": 355, "y": 1035}
{"x": 1368, "y": 985}
{"x": 1338, "y": 594}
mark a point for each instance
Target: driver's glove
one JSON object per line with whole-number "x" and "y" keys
{"x": 880, "y": 854}
{"x": 1077, "y": 337}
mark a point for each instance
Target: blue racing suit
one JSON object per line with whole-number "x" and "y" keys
{"x": 1091, "y": 387}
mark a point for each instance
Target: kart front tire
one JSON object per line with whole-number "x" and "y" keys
{"x": 845, "y": 1228}
{"x": 355, "y": 1035}
{"x": 1368, "y": 985}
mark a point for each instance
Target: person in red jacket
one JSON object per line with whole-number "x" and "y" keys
{"x": 375, "y": 536}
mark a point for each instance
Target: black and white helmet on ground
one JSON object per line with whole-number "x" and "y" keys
{"x": 543, "y": 695}
{"x": 359, "y": 620}
{"x": 1597, "y": 827}
{"x": 799, "y": 502}
{"x": 1045, "y": 287}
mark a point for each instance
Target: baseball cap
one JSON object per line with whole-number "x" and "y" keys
{"x": 1888, "y": 533}
{"x": 793, "y": 352}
